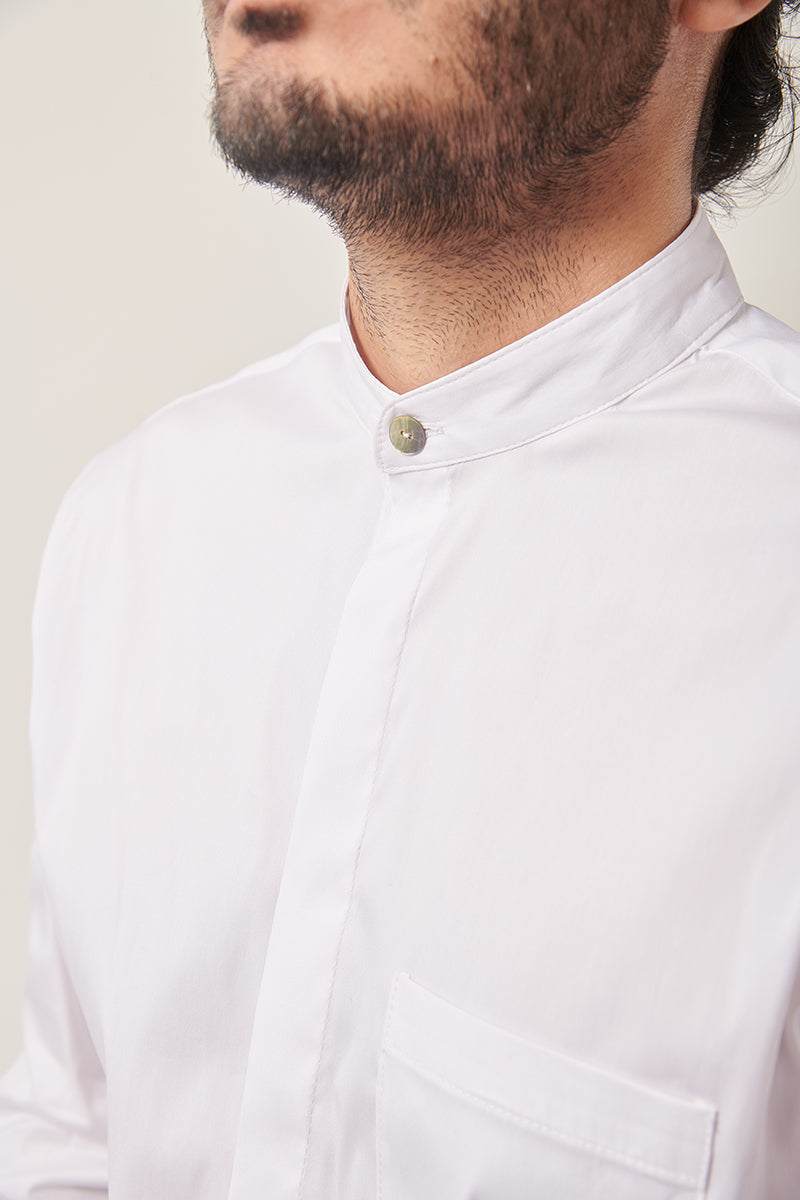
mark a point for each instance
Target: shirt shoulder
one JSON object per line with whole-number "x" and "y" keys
{"x": 273, "y": 397}
{"x": 763, "y": 351}
{"x": 250, "y": 426}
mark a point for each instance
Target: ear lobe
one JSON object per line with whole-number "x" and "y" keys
{"x": 717, "y": 16}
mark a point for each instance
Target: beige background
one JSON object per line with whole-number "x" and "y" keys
{"x": 133, "y": 268}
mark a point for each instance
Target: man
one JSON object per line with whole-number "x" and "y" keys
{"x": 415, "y": 714}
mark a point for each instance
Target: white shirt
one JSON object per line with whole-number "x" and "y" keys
{"x": 427, "y": 827}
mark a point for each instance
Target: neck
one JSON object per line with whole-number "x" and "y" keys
{"x": 418, "y": 313}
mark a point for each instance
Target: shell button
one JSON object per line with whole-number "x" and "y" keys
{"x": 407, "y": 435}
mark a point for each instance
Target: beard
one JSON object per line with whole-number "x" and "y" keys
{"x": 540, "y": 91}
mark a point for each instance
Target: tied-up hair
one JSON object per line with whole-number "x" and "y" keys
{"x": 751, "y": 105}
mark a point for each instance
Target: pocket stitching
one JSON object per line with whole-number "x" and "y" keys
{"x": 537, "y": 1127}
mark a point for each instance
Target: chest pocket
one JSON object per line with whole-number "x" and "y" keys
{"x": 467, "y": 1111}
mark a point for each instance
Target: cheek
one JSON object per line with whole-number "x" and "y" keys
{"x": 360, "y": 47}
{"x": 383, "y": 43}
{"x": 213, "y": 18}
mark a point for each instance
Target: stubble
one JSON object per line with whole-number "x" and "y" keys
{"x": 539, "y": 90}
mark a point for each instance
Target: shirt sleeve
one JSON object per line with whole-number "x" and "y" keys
{"x": 780, "y": 1145}
{"x": 53, "y": 1129}
{"x": 52, "y": 1101}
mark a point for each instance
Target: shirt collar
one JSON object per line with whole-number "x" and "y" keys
{"x": 589, "y": 359}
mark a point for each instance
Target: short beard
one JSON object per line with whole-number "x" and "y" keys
{"x": 544, "y": 89}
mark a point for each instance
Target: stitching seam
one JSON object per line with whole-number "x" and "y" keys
{"x": 566, "y": 319}
{"x": 695, "y": 1182}
{"x": 685, "y": 353}
{"x": 367, "y": 812}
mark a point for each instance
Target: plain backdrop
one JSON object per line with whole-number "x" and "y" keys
{"x": 134, "y": 268}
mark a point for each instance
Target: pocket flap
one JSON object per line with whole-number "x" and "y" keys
{"x": 549, "y": 1093}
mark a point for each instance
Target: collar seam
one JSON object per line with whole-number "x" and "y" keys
{"x": 633, "y": 279}
{"x": 685, "y": 353}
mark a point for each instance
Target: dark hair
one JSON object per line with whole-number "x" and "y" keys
{"x": 751, "y": 91}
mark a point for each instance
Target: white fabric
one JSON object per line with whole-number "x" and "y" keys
{"x": 428, "y": 827}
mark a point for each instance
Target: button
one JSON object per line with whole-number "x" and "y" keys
{"x": 406, "y": 435}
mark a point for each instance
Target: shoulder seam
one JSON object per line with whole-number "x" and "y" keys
{"x": 726, "y": 352}
{"x": 264, "y": 366}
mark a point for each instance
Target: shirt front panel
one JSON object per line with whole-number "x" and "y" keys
{"x": 583, "y": 810}
{"x": 191, "y": 594}
{"x": 404, "y": 781}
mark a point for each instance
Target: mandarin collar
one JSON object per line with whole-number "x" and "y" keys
{"x": 587, "y": 360}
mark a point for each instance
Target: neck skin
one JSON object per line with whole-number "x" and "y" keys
{"x": 420, "y": 313}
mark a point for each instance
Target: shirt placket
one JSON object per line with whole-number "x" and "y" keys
{"x": 285, "y": 1086}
